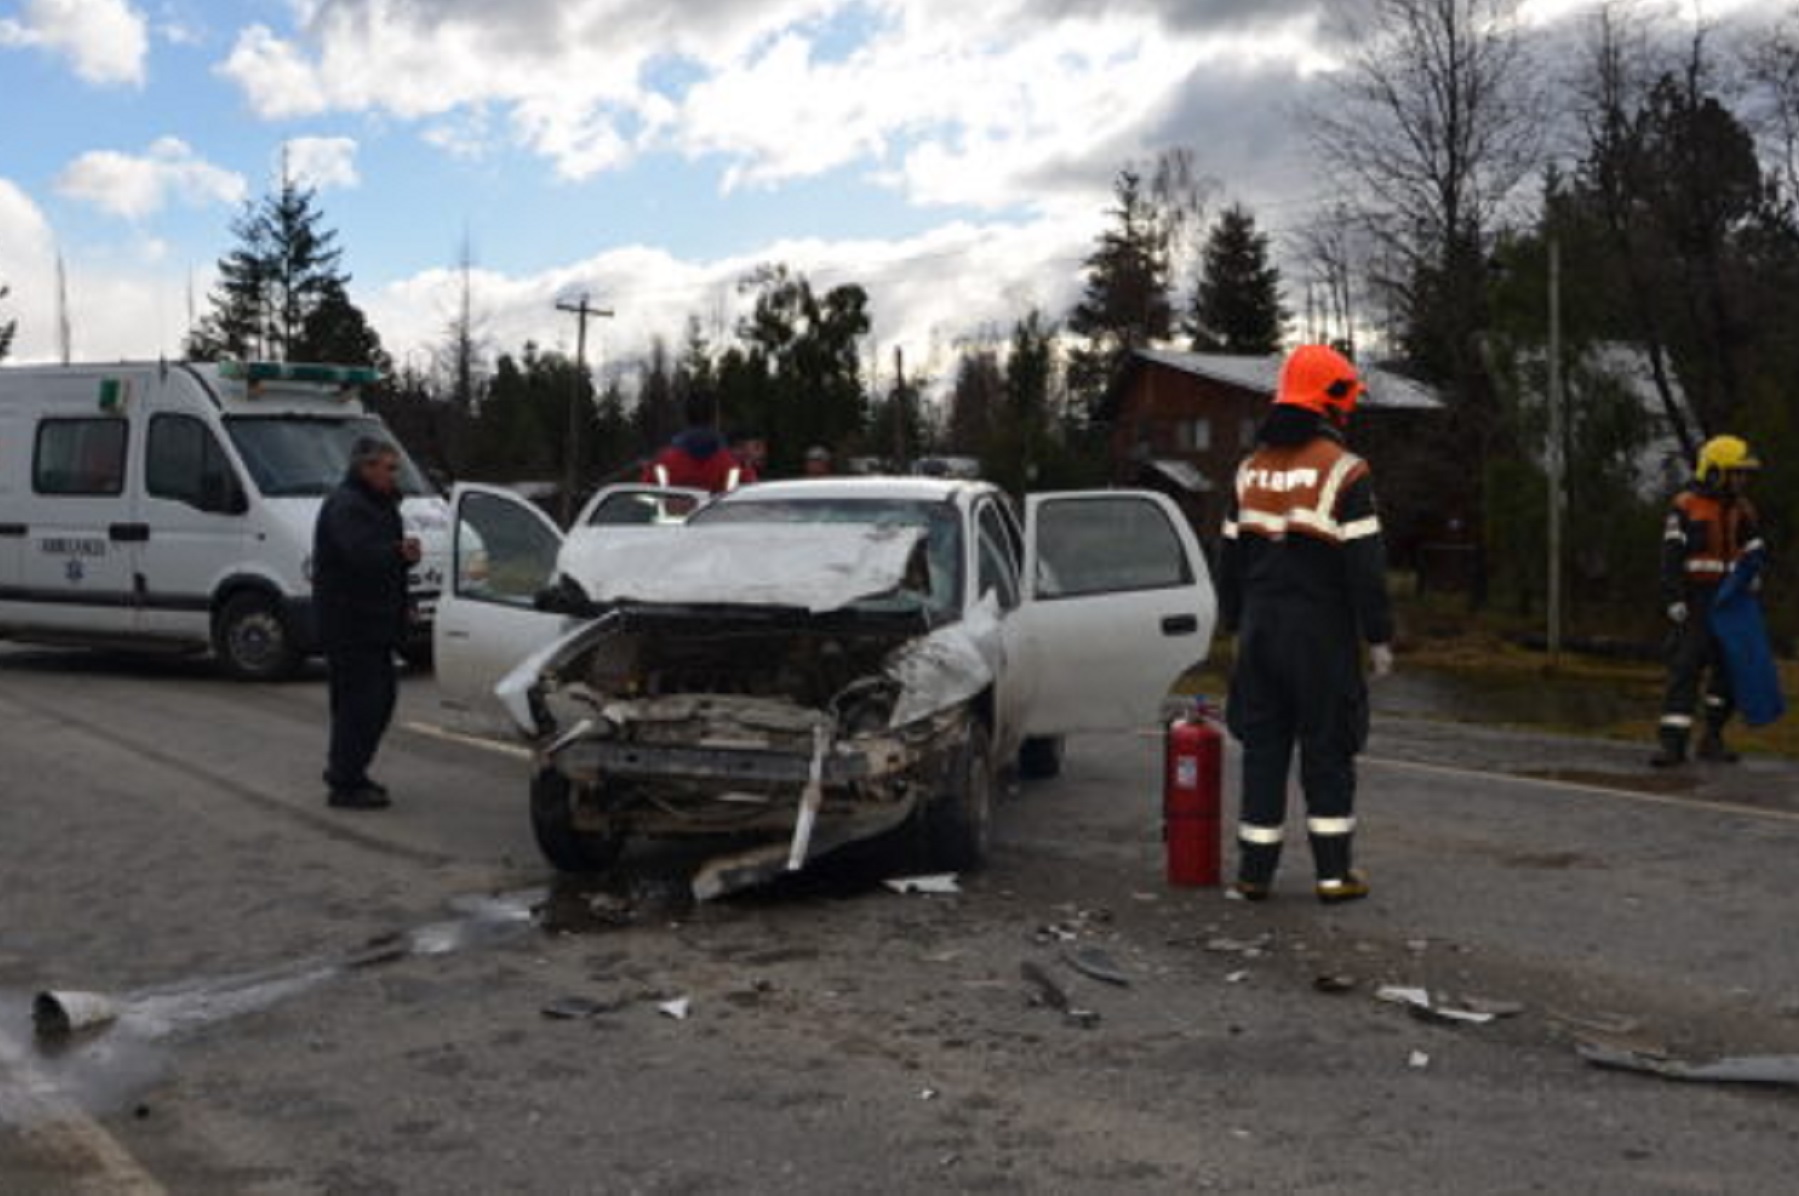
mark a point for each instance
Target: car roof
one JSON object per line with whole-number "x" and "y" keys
{"x": 825, "y": 489}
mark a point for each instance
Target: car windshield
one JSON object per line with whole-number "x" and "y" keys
{"x": 940, "y": 522}
{"x": 292, "y": 456}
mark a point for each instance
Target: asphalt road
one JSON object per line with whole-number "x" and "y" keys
{"x": 325, "y": 1002}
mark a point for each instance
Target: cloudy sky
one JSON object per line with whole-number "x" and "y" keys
{"x": 951, "y": 155}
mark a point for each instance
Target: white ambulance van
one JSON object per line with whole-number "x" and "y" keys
{"x": 171, "y": 505}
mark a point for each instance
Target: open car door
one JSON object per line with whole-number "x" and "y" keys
{"x": 503, "y": 554}
{"x": 1119, "y": 604}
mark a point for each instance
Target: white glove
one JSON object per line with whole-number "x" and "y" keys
{"x": 1380, "y": 656}
{"x": 1677, "y": 613}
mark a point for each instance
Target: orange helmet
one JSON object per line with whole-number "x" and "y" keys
{"x": 1317, "y": 378}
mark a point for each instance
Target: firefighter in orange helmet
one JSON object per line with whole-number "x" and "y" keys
{"x": 1711, "y": 526}
{"x": 1302, "y": 584}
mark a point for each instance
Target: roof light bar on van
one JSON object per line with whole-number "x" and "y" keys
{"x": 257, "y": 372}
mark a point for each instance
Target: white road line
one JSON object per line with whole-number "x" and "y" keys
{"x": 1735, "y": 809}
{"x": 433, "y": 731}
{"x": 53, "y": 1124}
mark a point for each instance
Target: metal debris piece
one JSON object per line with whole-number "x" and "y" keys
{"x": 1418, "y": 1061}
{"x": 928, "y": 1094}
{"x": 1740, "y": 1069}
{"x": 1334, "y": 984}
{"x": 1236, "y": 977}
{"x": 574, "y": 1009}
{"x": 57, "y": 1013}
{"x": 1097, "y": 964}
{"x": 1047, "y": 993}
{"x": 679, "y": 1008}
{"x": 938, "y": 884}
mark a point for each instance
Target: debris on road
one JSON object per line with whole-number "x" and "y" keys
{"x": 939, "y": 884}
{"x": 1248, "y": 948}
{"x": 1047, "y": 993}
{"x": 58, "y": 1013}
{"x": 1423, "y": 1006}
{"x": 574, "y": 1009}
{"x": 1098, "y": 965}
{"x": 679, "y": 1008}
{"x": 1334, "y": 984}
{"x": 1236, "y": 977}
{"x": 1740, "y": 1069}
{"x": 1418, "y": 1061}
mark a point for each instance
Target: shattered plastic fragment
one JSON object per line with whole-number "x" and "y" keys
{"x": 1421, "y": 1005}
{"x": 942, "y": 883}
{"x": 1097, "y": 964}
{"x": 678, "y": 1008}
{"x": 56, "y": 1013}
{"x": 1741, "y": 1069}
{"x": 1335, "y": 985}
{"x": 1418, "y": 1061}
{"x": 1236, "y": 977}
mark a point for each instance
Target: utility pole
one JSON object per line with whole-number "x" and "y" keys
{"x": 897, "y": 408}
{"x": 583, "y": 311}
{"x": 1556, "y": 457}
{"x": 64, "y": 337}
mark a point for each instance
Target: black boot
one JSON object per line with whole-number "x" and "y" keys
{"x": 1674, "y": 749}
{"x": 1713, "y": 750}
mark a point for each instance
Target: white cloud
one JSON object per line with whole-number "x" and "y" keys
{"x": 106, "y": 41}
{"x": 139, "y": 185}
{"x": 954, "y": 103}
{"x": 119, "y": 307}
{"x": 323, "y": 162}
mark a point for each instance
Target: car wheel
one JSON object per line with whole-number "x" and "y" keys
{"x": 553, "y": 823}
{"x": 958, "y": 825}
{"x": 1041, "y": 759}
{"x": 252, "y": 641}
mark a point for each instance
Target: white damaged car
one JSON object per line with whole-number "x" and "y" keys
{"x": 803, "y": 665}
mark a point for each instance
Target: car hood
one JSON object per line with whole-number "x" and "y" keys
{"x": 815, "y": 567}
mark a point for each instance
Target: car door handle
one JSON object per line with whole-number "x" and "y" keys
{"x": 128, "y": 533}
{"x": 1180, "y": 625}
{"x": 13, "y": 531}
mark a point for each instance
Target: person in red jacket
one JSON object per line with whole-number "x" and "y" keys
{"x": 698, "y": 458}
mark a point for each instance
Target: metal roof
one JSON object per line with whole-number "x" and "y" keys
{"x": 1387, "y": 391}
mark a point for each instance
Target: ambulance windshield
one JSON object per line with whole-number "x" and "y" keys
{"x": 295, "y": 456}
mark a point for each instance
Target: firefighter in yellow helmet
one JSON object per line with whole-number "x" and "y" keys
{"x": 1711, "y": 526}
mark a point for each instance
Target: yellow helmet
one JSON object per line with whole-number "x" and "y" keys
{"x": 1725, "y": 454}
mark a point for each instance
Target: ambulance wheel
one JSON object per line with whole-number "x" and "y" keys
{"x": 1041, "y": 759}
{"x": 553, "y": 823}
{"x": 252, "y": 640}
{"x": 958, "y": 825}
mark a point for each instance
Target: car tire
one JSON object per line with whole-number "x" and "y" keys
{"x": 958, "y": 825}
{"x": 553, "y": 823}
{"x": 1041, "y": 759}
{"x": 252, "y": 641}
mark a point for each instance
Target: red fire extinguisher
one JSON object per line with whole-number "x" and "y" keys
{"x": 1193, "y": 798}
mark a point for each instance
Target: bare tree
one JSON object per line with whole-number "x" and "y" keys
{"x": 1772, "y": 70}
{"x": 1331, "y": 250}
{"x": 7, "y": 327}
{"x": 1433, "y": 124}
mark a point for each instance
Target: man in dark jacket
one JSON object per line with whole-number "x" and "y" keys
{"x": 360, "y": 559}
{"x": 1302, "y": 583}
{"x": 699, "y": 458}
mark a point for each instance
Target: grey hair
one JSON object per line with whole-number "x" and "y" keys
{"x": 369, "y": 449}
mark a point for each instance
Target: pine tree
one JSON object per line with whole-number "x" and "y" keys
{"x": 1126, "y": 304}
{"x": 337, "y": 331}
{"x": 284, "y": 265}
{"x": 1237, "y": 302}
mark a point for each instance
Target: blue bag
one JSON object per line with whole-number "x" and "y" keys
{"x": 1737, "y": 622}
